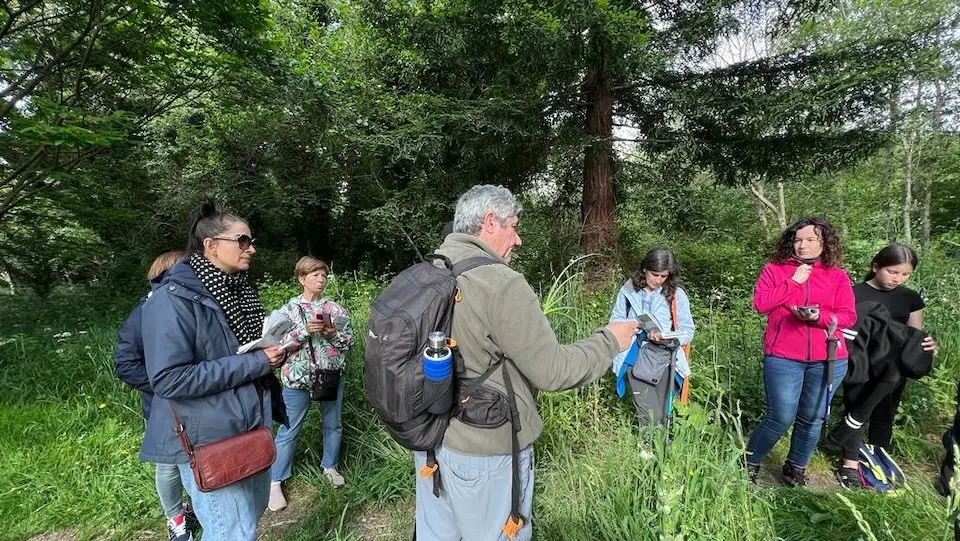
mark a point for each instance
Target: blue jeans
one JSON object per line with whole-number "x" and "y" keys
{"x": 475, "y": 501}
{"x": 298, "y": 403}
{"x": 796, "y": 391}
{"x": 169, "y": 489}
{"x": 230, "y": 513}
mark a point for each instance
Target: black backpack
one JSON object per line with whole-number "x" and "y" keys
{"x": 418, "y": 301}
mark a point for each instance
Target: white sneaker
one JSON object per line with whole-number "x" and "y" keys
{"x": 334, "y": 477}
{"x": 277, "y": 501}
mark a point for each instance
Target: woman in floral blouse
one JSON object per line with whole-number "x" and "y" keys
{"x": 314, "y": 347}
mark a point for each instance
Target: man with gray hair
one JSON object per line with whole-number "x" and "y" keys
{"x": 509, "y": 352}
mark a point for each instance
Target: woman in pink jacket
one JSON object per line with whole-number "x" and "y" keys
{"x": 801, "y": 292}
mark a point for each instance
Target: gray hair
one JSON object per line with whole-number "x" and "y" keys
{"x": 476, "y": 202}
{"x": 208, "y": 221}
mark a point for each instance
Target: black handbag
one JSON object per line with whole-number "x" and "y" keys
{"x": 324, "y": 382}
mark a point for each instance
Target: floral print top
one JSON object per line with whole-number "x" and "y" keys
{"x": 326, "y": 353}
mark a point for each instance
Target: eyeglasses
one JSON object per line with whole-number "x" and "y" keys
{"x": 243, "y": 241}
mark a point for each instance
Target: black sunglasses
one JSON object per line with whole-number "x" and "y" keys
{"x": 243, "y": 241}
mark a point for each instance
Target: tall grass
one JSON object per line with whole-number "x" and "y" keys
{"x": 72, "y": 432}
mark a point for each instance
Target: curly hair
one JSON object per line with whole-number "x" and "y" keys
{"x": 832, "y": 255}
{"x": 658, "y": 260}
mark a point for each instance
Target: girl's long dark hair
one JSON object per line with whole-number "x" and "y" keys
{"x": 894, "y": 254}
{"x": 832, "y": 255}
{"x": 658, "y": 260}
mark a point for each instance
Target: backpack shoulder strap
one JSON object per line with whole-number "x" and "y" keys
{"x": 674, "y": 324}
{"x": 674, "y": 319}
{"x": 472, "y": 263}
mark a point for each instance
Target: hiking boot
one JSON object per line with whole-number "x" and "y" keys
{"x": 753, "y": 471}
{"x": 849, "y": 477}
{"x": 277, "y": 501}
{"x": 177, "y": 528}
{"x": 334, "y": 477}
{"x": 794, "y": 476}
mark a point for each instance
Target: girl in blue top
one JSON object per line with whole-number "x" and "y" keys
{"x": 652, "y": 290}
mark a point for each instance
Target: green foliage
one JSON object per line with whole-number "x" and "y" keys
{"x": 83, "y": 78}
{"x": 42, "y": 247}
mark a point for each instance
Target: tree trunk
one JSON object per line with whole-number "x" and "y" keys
{"x": 890, "y": 226}
{"x": 761, "y": 211}
{"x": 782, "y": 207}
{"x": 778, "y": 209}
{"x": 907, "y": 201}
{"x": 889, "y": 222}
{"x": 598, "y": 211}
{"x": 933, "y": 170}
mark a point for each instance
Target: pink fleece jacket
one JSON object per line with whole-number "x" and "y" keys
{"x": 789, "y": 337}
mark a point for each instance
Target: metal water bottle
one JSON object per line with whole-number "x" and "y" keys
{"x": 438, "y": 373}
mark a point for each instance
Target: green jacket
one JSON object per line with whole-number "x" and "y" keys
{"x": 500, "y": 313}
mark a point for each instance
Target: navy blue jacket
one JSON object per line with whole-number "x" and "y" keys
{"x": 192, "y": 365}
{"x": 128, "y": 356}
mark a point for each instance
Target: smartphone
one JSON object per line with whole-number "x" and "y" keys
{"x": 326, "y": 320}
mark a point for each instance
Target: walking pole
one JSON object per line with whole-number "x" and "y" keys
{"x": 832, "y": 342}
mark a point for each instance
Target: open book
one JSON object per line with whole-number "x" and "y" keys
{"x": 650, "y": 323}
{"x": 275, "y": 327}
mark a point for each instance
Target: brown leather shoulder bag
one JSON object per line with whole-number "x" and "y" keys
{"x": 222, "y": 463}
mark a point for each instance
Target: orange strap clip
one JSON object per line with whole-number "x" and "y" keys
{"x": 513, "y": 526}
{"x": 427, "y": 470}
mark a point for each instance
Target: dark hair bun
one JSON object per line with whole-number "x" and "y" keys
{"x": 208, "y": 209}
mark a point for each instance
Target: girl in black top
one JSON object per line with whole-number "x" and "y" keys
{"x": 879, "y": 398}
{"x": 891, "y": 267}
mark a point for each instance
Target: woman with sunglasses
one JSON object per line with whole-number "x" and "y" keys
{"x": 204, "y": 309}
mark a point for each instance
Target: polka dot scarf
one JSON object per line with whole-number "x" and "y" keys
{"x": 235, "y": 296}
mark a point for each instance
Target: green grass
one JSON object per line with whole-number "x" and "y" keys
{"x": 72, "y": 433}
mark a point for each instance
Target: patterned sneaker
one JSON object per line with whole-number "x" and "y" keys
{"x": 849, "y": 477}
{"x": 794, "y": 476}
{"x": 177, "y": 529}
{"x": 334, "y": 477}
{"x": 277, "y": 501}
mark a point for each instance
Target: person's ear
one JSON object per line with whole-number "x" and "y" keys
{"x": 209, "y": 246}
{"x": 488, "y": 222}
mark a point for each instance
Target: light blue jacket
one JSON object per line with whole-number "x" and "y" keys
{"x": 630, "y": 303}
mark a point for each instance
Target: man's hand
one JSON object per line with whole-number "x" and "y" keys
{"x": 929, "y": 344}
{"x": 623, "y": 331}
{"x": 275, "y": 356}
